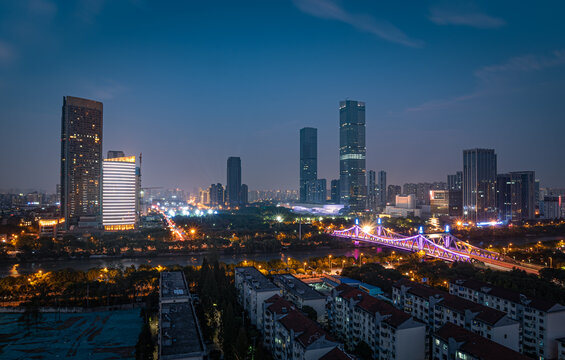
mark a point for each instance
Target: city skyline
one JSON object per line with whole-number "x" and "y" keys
{"x": 427, "y": 84}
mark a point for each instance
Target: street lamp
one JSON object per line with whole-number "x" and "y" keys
{"x": 330, "y": 257}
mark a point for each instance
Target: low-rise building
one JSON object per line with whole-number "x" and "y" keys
{"x": 560, "y": 348}
{"x": 302, "y": 294}
{"x": 454, "y": 342}
{"x": 180, "y": 337}
{"x": 253, "y": 288}
{"x": 390, "y": 333}
{"x": 297, "y": 337}
{"x": 542, "y": 322}
{"x": 436, "y": 308}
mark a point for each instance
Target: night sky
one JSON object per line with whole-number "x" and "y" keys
{"x": 190, "y": 84}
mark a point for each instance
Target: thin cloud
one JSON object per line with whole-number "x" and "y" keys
{"x": 515, "y": 65}
{"x": 328, "y": 9}
{"x": 472, "y": 19}
{"x": 7, "y": 52}
{"x": 524, "y": 63}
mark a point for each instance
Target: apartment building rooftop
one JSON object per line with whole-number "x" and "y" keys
{"x": 306, "y": 330}
{"x": 372, "y": 305}
{"x": 510, "y": 295}
{"x": 484, "y": 313}
{"x": 476, "y": 345}
{"x": 179, "y": 332}
{"x": 255, "y": 279}
{"x": 336, "y": 354}
{"x": 279, "y": 305}
{"x": 297, "y": 287}
{"x": 173, "y": 285}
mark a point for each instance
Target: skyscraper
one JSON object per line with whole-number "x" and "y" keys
{"x": 308, "y": 160}
{"x": 455, "y": 182}
{"x": 233, "y": 184}
{"x": 479, "y": 184}
{"x": 81, "y": 160}
{"x": 504, "y": 197}
{"x": 372, "y": 190}
{"x": 119, "y": 196}
{"x": 244, "y": 194}
{"x": 523, "y": 195}
{"x": 216, "y": 195}
{"x": 334, "y": 191}
{"x": 381, "y": 188}
{"x": 317, "y": 192}
{"x": 352, "y": 153}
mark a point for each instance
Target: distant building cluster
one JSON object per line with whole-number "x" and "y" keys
{"x": 477, "y": 194}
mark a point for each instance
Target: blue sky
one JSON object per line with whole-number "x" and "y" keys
{"x": 190, "y": 83}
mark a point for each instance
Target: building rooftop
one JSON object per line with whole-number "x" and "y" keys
{"x": 180, "y": 333}
{"x": 510, "y": 295}
{"x": 279, "y": 305}
{"x": 256, "y": 279}
{"x": 456, "y": 303}
{"x": 297, "y": 287}
{"x": 173, "y": 285}
{"x": 372, "y": 305}
{"x": 306, "y": 330}
{"x": 336, "y": 354}
{"x": 476, "y": 345}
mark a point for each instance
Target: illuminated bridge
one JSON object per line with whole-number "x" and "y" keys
{"x": 443, "y": 246}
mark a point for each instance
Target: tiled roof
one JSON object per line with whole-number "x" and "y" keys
{"x": 510, "y": 295}
{"x": 336, "y": 354}
{"x": 278, "y": 304}
{"x": 477, "y": 346}
{"x": 484, "y": 313}
{"x": 308, "y": 331}
{"x": 373, "y": 305}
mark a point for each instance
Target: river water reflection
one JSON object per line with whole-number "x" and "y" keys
{"x": 7, "y": 269}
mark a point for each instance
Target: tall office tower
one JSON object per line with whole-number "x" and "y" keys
{"x": 334, "y": 191}
{"x": 537, "y": 197}
{"x": 381, "y": 188}
{"x": 479, "y": 184}
{"x": 317, "y": 192}
{"x": 308, "y": 160}
{"x": 244, "y": 194}
{"x": 455, "y": 182}
{"x": 504, "y": 197}
{"x": 233, "y": 184}
{"x": 216, "y": 194}
{"x": 119, "y": 196}
{"x": 391, "y": 192}
{"x": 523, "y": 195}
{"x": 372, "y": 190}
{"x": 81, "y": 161}
{"x": 115, "y": 154}
{"x": 352, "y": 153}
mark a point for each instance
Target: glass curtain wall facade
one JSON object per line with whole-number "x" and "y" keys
{"x": 352, "y": 152}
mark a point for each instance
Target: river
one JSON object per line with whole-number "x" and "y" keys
{"x": 7, "y": 269}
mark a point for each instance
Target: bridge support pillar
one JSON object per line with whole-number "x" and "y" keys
{"x": 379, "y": 230}
{"x": 420, "y": 243}
{"x": 447, "y": 241}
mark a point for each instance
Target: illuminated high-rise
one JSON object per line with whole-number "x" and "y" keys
{"x": 479, "y": 185}
{"x": 81, "y": 161}
{"x": 119, "y": 194}
{"x": 352, "y": 153}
